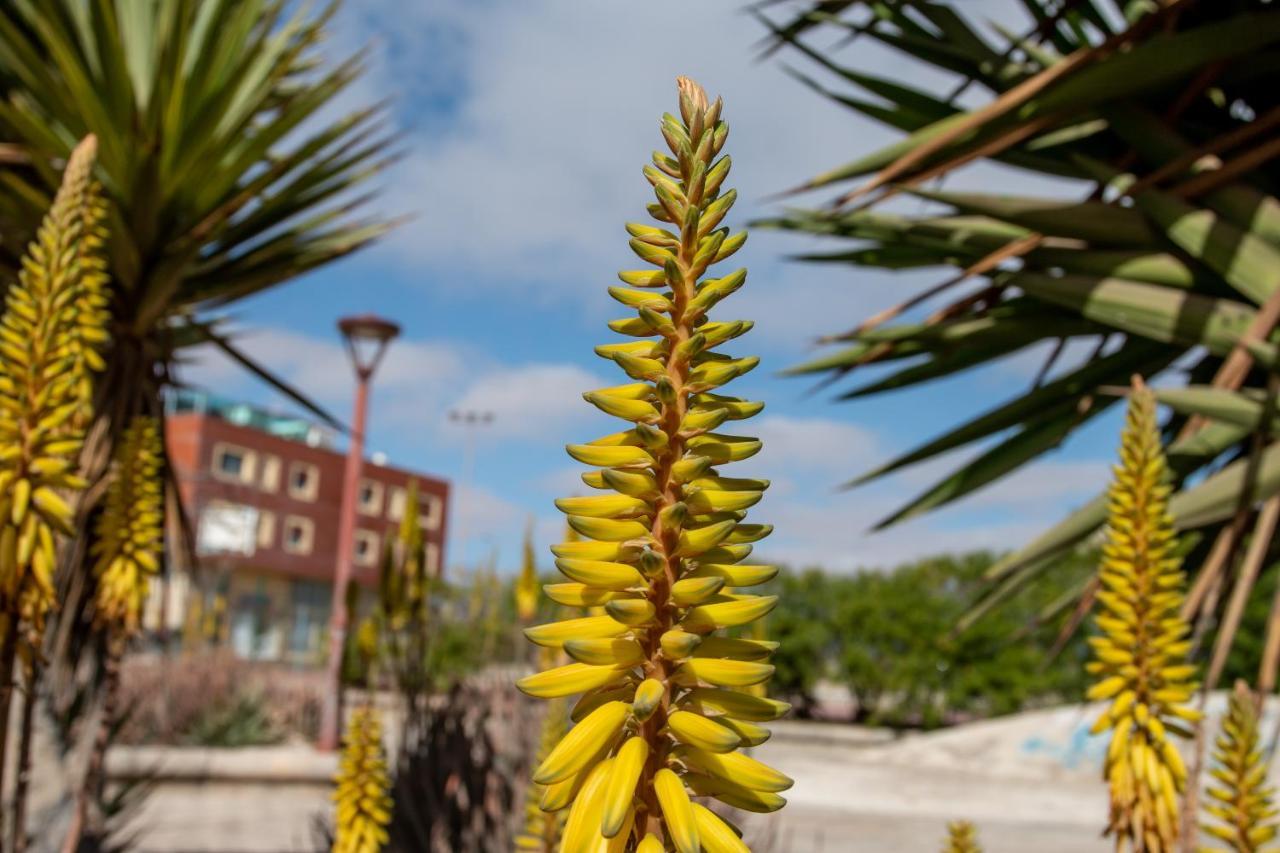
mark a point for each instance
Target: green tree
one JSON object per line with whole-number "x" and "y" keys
{"x": 1161, "y": 249}
{"x": 804, "y": 626}
{"x": 889, "y": 636}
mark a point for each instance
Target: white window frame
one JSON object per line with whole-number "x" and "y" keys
{"x": 312, "y": 489}
{"x": 248, "y": 463}
{"x": 370, "y": 556}
{"x": 308, "y": 528}
{"x": 270, "y": 481}
{"x": 266, "y": 528}
{"x": 430, "y": 519}
{"x": 373, "y": 507}
{"x": 395, "y": 502}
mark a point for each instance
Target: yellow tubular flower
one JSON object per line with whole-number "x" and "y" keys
{"x": 363, "y": 787}
{"x": 1241, "y": 801}
{"x": 962, "y": 837}
{"x": 130, "y": 530}
{"x": 53, "y": 324}
{"x": 1140, "y": 657}
{"x": 527, "y": 583}
{"x": 663, "y": 542}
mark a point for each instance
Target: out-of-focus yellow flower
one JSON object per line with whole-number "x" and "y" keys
{"x": 363, "y": 787}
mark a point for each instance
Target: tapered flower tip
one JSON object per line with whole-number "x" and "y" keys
{"x": 86, "y": 150}
{"x": 690, "y": 89}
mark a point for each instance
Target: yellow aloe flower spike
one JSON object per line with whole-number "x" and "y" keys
{"x": 527, "y": 584}
{"x": 1241, "y": 801}
{"x": 53, "y": 325}
{"x": 1140, "y": 656}
{"x": 542, "y": 829}
{"x": 663, "y": 715}
{"x": 130, "y": 530}
{"x": 962, "y": 837}
{"x": 363, "y": 787}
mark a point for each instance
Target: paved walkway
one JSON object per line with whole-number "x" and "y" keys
{"x": 1030, "y": 783}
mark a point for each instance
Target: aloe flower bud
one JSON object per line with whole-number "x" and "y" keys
{"x": 1239, "y": 800}
{"x": 962, "y": 837}
{"x": 362, "y": 792}
{"x": 1140, "y": 657}
{"x": 664, "y": 545}
{"x": 130, "y": 530}
{"x": 54, "y": 324}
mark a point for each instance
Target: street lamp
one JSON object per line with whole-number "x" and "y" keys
{"x": 469, "y": 419}
{"x": 366, "y": 337}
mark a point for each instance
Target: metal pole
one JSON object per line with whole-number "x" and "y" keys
{"x": 331, "y": 710}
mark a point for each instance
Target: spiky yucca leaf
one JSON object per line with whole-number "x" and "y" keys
{"x": 1161, "y": 252}
{"x": 661, "y": 539}
{"x": 1242, "y": 804}
{"x": 53, "y": 323}
{"x": 362, "y": 787}
{"x": 527, "y": 584}
{"x": 1140, "y": 657}
{"x": 962, "y": 837}
{"x": 130, "y": 530}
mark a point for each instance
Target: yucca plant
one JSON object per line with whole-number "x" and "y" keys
{"x": 1140, "y": 655}
{"x": 662, "y": 713}
{"x": 227, "y": 169}
{"x": 1162, "y": 254}
{"x": 362, "y": 793}
{"x": 962, "y": 837}
{"x": 1242, "y": 805}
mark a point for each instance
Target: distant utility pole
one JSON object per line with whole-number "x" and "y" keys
{"x": 471, "y": 420}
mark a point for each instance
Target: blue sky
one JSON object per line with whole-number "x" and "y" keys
{"x": 525, "y": 126}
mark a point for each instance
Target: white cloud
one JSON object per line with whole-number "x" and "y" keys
{"x": 806, "y": 446}
{"x": 530, "y": 401}
{"x": 482, "y": 522}
{"x": 418, "y": 383}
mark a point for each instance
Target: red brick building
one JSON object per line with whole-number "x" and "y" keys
{"x": 264, "y": 494}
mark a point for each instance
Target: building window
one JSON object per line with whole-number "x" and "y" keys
{"x": 266, "y": 528}
{"x": 366, "y": 548}
{"x": 310, "y": 602}
{"x": 369, "y": 498}
{"x": 298, "y": 534}
{"x": 304, "y": 481}
{"x": 232, "y": 463}
{"x": 433, "y": 560}
{"x": 270, "y": 474}
{"x": 434, "y": 511}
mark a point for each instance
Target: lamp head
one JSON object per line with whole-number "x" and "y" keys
{"x": 367, "y": 336}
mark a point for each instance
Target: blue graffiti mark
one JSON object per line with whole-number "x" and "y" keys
{"x": 1080, "y": 748}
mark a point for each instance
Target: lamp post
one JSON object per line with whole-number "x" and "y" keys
{"x": 470, "y": 420}
{"x": 366, "y": 337}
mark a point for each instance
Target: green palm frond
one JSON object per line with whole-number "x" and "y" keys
{"x": 1161, "y": 253}
{"x": 222, "y": 158}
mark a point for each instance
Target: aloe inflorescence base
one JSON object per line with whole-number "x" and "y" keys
{"x": 665, "y": 545}
{"x": 1140, "y": 654}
